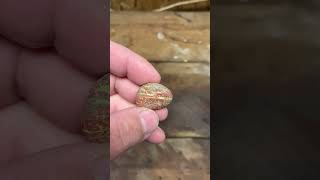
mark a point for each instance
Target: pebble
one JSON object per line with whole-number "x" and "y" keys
{"x": 153, "y": 96}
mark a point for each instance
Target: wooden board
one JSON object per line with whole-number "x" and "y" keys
{"x": 147, "y": 5}
{"x": 287, "y": 33}
{"x": 168, "y": 36}
{"x": 185, "y": 154}
{"x": 181, "y": 76}
{"x": 184, "y": 159}
{"x": 189, "y": 113}
{"x": 177, "y": 44}
{"x": 267, "y": 91}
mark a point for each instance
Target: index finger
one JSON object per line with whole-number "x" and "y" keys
{"x": 125, "y": 63}
{"x": 78, "y": 29}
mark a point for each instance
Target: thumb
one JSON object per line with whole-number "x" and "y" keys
{"x": 129, "y": 127}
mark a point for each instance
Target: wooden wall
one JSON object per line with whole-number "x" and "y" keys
{"x": 178, "y": 45}
{"x": 267, "y": 86}
{"x": 147, "y": 5}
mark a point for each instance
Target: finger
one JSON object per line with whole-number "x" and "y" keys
{"x": 163, "y": 114}
{"x": 54, "y": 88}
{"x": 125, "y": 63}
{"x": 8, "y": 64}
{"x": 23, "y": 131}
{"x": 124, "y": 87}
{"x": 157, "y": 137}
{"x": 129, "y": 127}
{"x": 77, "y": 29}
{"x": 117, "y": 103}
{"x": 81, "y": 34}
{"x": 78, "y": 161}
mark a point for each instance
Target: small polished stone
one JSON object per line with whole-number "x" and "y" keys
{"x": 153, "y": 96}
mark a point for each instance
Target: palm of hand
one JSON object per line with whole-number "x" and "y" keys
{"x": 41, "y": 110}
{"x": 44, "y": 84}
{"x": 47, "y": 72}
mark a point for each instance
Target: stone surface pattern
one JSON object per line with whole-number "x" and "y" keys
{"x": 96, "y": 123}
{"x": 153, "y": 96}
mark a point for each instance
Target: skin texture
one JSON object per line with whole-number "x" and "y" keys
{"x": 50, "y": 60}
{"x": 48, "y": 65}
{"x": 128, "y": 72}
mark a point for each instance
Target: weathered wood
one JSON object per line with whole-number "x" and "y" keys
{"x": 167, "y": 36}
{"x": 265, "y": 50}
{"x": 185, "y": 159}
{"x": 267, "y": 91}
{"x": 181, "y": 76}
{"x": 147, "y": 5}
{"x": 170, "y": 40}
{"x": 189, "y": 112}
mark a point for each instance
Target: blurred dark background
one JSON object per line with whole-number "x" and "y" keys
{"x": 266, "y": 89}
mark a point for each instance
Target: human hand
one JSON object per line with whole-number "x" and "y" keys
{"x": 129, "y": 124}
{"x": 51, "y": 54}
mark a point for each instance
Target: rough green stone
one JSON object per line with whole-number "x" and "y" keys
{"x": 96, "y": 122}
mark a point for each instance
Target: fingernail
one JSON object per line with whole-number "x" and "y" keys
{"x": 149, "y": 120}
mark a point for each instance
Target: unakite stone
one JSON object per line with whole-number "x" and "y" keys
{"x": 153, "y": 96}
{"x": 96, "y": 123}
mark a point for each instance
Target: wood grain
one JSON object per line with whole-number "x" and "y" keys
{"x": 267, "y": 91}
{"x": 178, "y": 46}
{"x": 190, "y": 109}
{"x": 185, "y": 159}
{"x": 167, "y": 36}
{"x": 181, "y": 76}
{"x": 147, "y": 5}
{"x": 278, "y": 49}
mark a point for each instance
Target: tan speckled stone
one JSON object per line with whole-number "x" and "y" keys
{"x": 153, "y": 96}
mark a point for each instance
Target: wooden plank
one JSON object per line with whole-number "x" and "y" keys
{"x": 167, "y": 36}
{"x": 181, "y": 76}
{"x": 185, "y": 159}
{"x": 147, "y": 5}
{"x": 267, "y": 91}
{"x": 279, "y": 50}
{"x": 244, "y": 24}
{"x": 189, "y": 113}
{"x": 287, "y": 33}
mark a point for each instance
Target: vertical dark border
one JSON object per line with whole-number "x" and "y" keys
{"x": 107, "y": 11}
{"x": 212, "y": 75}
